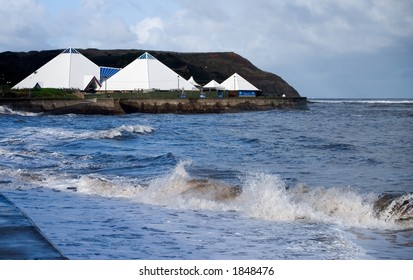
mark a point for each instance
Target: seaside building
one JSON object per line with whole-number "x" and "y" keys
{"x": 193, "y": 82}
{"x": 146, "y": 73}
{"x": 69, "y": 70}
{"x": 213, "y": 85}
{"x": 238, "y": 86}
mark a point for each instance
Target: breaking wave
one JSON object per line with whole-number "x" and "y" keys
{"x": 259, "y": 196}
{"x": 4, "y": 110}
{"x": 64, "y": 134}
{"x": 125, "y": 129}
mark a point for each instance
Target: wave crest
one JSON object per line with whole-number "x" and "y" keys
{"x": 267, "y": 197}
{"x": 65, "y": 134}
{"x": 259, "y": 195}
{"x": 124, "y": 129}
{"x": 4, "y": 110}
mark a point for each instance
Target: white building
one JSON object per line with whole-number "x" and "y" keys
{"x": 193, "y": 82}
{"x": 213, "y": 85}
{"x": 70, "y": 69}
{"x": 239, "y": 86}
{"x": 237, "y": 83}
{"x": 146, "y": 73}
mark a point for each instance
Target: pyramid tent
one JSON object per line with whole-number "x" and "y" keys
{"x": 237, "y": 83}
{"x": 213, "y": 85}
{"x": 70, "y": 69}
{"x": 193, "y": 82}
{"x": 146, "y": 73}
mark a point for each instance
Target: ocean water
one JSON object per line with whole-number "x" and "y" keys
{"x": 282, "y": 184}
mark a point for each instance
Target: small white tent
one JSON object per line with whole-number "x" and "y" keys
{"x": 146, "y": 73}
{"x": 213, "y": 85}
{"x": 237, "y": 83}
{"x": 70, "y": 69}
{"x": 193, "y": 82}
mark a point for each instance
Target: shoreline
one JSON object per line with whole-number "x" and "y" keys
{"x": 115, "y": 106}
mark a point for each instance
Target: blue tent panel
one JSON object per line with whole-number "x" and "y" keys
{"x": 70, "y": 50}
{"x": 107, "y": 72}
{"x": 146, "y": 56}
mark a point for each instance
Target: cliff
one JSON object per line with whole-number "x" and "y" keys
{"x": 15, "y": 66}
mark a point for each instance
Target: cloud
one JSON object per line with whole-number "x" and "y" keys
{"x": 286, "y": 26}
{"x": 96, "y": 24}
{"x": 280, "y": 28}
{"x": 305, "y": 41}
{"x": 355, "y": 26}
{"x": 95, "y": 5}
{"x": 20, "y": 25}
{"x": 146, "y": 30}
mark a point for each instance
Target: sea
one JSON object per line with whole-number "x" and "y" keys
{"x": 271, "y": 185}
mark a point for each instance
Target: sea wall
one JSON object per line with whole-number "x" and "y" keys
{"x": 111, "y": 106}
{"x": 224, "y": 105}
{"x": 108, "y": 106}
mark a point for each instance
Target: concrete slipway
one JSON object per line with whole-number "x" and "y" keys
{"x": 20, "y": 239}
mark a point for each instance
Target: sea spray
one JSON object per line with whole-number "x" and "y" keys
{"x": 341, "y": 205}
{"x": 264, "y": 196}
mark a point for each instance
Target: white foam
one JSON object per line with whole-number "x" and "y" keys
{"x": 119, "y": 131}
{"x": 94, "y": 184}
{"x": 101, "y": 186}
{"x": 4, "y": 152}
{"x": 65, "y": 134}
{"x": 4, "y": 110}
{"x": 264, "y": 196}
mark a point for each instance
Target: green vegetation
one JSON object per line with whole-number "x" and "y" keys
{"x": 43, "y": 93}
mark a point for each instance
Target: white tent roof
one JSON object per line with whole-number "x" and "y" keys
{"x": 67, "y": 70}
{"x": 213, "y": 84}
{"x": 236, "y": 82}
{"x": 192, "y": 81}
{"x": 146, "y": 72}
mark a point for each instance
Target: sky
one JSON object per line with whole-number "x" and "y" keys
{"x": 323, "y": 48}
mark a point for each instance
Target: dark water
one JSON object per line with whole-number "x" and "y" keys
{"x": 283, "y": 184}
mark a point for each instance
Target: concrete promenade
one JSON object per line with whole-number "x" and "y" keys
{"x": 20, "y": 239}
